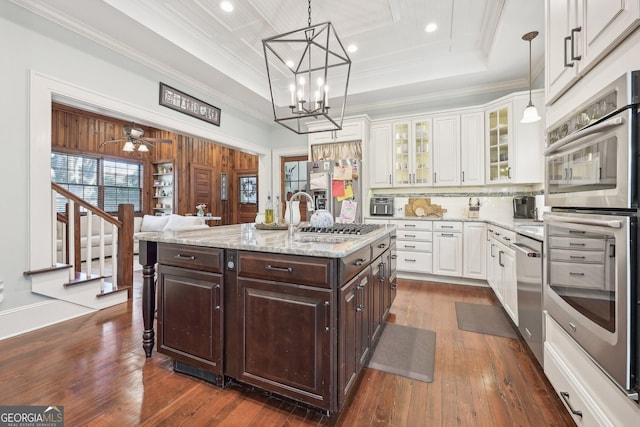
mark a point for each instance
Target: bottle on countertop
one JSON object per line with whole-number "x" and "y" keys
{"x": 268, "y": 212}
{"x": 277, "y": 218}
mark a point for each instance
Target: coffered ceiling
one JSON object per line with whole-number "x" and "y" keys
{"x": 475, "y": 53}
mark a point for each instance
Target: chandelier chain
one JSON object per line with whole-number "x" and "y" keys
{"x": 309, "y": 10}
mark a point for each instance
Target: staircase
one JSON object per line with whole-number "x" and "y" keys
{"x": 87, "y": 283}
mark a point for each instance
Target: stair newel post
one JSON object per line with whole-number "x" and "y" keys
{"x": 77, "y": 254}
{"x": 148, "y": 258}
{"x": 125, "y": 247}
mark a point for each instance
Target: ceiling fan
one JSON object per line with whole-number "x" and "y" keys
{"x": 135, "y": 141}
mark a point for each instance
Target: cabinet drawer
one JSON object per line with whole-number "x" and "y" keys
{"x": 586, "y": 276}
{"x": 576, "y": 243}
{"x": 412, "y": 225}
{"x": 415, "y": 246}
{"x": 415, "y": 262}
{"x": 354, "y": 263}
{"x": 192, "y": 257}
{"x": 450, "y": 226}
{"x": 577, "y": 256}
{"x": 425, "y": 236}
{"x": 380, "y": 246}
{"x": 287, "y": 268}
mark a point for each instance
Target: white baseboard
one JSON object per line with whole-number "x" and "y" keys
{"x": 28, "y": 318}
{"x": 441, "y": 279}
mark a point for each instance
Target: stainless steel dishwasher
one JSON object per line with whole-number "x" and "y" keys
{"x": 529, "y": 276}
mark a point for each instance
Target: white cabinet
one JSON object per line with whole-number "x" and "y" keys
{"x": 472, "y": 148}
{"x": 579, "y": 33}
{"x": 380, "y": 159}
{"x": 414, "y": 246}
{"x": 446, "y": 151}
{"x": 447, "y": 248}
{"x": 581, "y": 385}
{"x": 502, "y": 277}
{"x": 474, "y": 257}
{"x": 351, "y": 131}
{"x": 514, "y": 149}
{"x": 412, "y": 148}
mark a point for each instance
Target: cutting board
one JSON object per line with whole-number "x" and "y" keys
{"x": 422, "y": 207}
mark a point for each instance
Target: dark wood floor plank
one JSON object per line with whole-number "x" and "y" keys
{"x": 96, "y": 368}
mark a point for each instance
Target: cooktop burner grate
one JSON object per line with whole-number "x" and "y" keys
{"x": 356, "y": 229}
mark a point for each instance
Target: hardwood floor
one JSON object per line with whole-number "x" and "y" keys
{"x": 95, "y": 367}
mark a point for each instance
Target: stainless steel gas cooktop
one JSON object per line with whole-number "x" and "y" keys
{"x": 355, "y": 229}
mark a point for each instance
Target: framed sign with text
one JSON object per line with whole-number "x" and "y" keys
{"x": 187, "y": 104}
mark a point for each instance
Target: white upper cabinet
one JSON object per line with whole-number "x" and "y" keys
{"x": 351, "y": 131}
{"x": 412, "y": 153}
{"x": 446, "y": 151}
{"x": 514, "y": 149}
{"x": 380, "y": 159}
{"x": 472, "y": 148}
{"x": 579, "y": 33}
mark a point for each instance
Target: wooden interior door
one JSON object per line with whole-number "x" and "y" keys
{"x": 201, "y": 187}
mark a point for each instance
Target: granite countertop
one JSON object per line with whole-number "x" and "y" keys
{"x": 527, "y": 227}
{"x": 247, "y": 237}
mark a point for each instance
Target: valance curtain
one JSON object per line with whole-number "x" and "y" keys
{"x": 337, "y": 150}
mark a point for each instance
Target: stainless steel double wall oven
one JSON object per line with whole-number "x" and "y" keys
{"x": 591, "y": 274}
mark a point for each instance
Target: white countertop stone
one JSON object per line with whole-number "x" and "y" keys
{"x": 246, "y": 237}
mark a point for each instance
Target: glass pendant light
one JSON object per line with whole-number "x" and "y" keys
{"x": 143, "y": 148}
{"x": 530, "y": 113}
{"x": 128, "y": 147}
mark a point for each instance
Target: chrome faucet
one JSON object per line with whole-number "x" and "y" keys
{"x": 308, "y": 196}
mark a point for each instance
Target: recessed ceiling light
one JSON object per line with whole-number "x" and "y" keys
{"x": 352, "y": 48}
{"x": 227, "y": 6}
{"x": 431, "y": 27}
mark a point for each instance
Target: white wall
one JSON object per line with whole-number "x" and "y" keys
{"x": 59, "y": 63}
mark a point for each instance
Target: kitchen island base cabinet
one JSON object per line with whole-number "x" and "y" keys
{"x": 286, "y": 339}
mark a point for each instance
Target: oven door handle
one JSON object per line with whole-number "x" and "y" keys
{"x": 577, "y": 136}
{"x": 613, "y": 223}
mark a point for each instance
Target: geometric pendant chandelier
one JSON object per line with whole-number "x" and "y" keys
{"x": 303, "y": 67}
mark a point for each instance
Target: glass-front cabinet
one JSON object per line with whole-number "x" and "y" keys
{"x": 412, "y": 152}
{"x": 500, "y": 130}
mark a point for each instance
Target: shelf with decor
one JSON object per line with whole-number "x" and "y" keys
{"x": 163, "y": 188}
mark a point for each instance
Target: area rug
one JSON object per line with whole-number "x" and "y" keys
{"x": 405, "y": 351}
{"x": 484, "y": 319}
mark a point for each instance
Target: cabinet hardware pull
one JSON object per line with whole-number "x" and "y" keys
{"x": 509, "y": 172}
{"x": 189, "y": 257}
{"x": 508, "y": 239}
{"x": 577, "y": 232}
{"x": 393, "y": 237}
{"x": 565, "y": 397}
{"x": 390, "y": 179}
{"x": 359, "y": 308}
{"x": 394, "y": 256}
{"x": 577, "y": 244}
{"x": 446, "y": 234}
{"x": 382, "y": 245}
{"x": 446, "y": 226}
{"x": 435, "y": 176}
{"x": 285, "y": 269}
{"x": 576, "y": 257}
{"x": 410, "y": 246}
{"x": 217, "y": 295}
{"x": 359, "y": 262}
{"x": 567, "y": 64}
{"x": 410, "y": 235}
{"x": 462, "y": 176}
{"x": 409, "y": 226}
{"x": 409, "y": 260}
{"x": 572, "y": 273}
{"x": 326, "y": 316}
{"x": 500, "y": 259}
{"x": 394, "y": 287}
{"x": 382, "y": 272}
{"x": 573, "y": 43}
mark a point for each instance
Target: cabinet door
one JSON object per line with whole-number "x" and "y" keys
{"x": 499, "y": 141}
{"x": 353, "y": 336}
{"x": 475, "y": 250}
{"x": 190, "y": 327}
{"x": 605, "y": 24}
{"x": 497, "y": 271}
{"x": 510, "y": 284}
{"x": 446, "y": 148}
{"x": 472, "y": 148}
{"x": 380, "y": 159}
{"x": 376, "y": 307}
{"x": 286, "y": 339}
{"x": 561, "y": 18}
{"x": 402, "y": 155}
{"x": 422, "y": 162}
{"x": 447, "y": 254}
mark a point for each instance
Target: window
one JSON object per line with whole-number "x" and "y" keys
{"x": 248, "y": 189}
{"x": 104, "y": 183}
{"x": 295, "y": 176}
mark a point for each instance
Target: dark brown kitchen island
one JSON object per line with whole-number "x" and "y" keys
{"x": 298, "y": 316}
